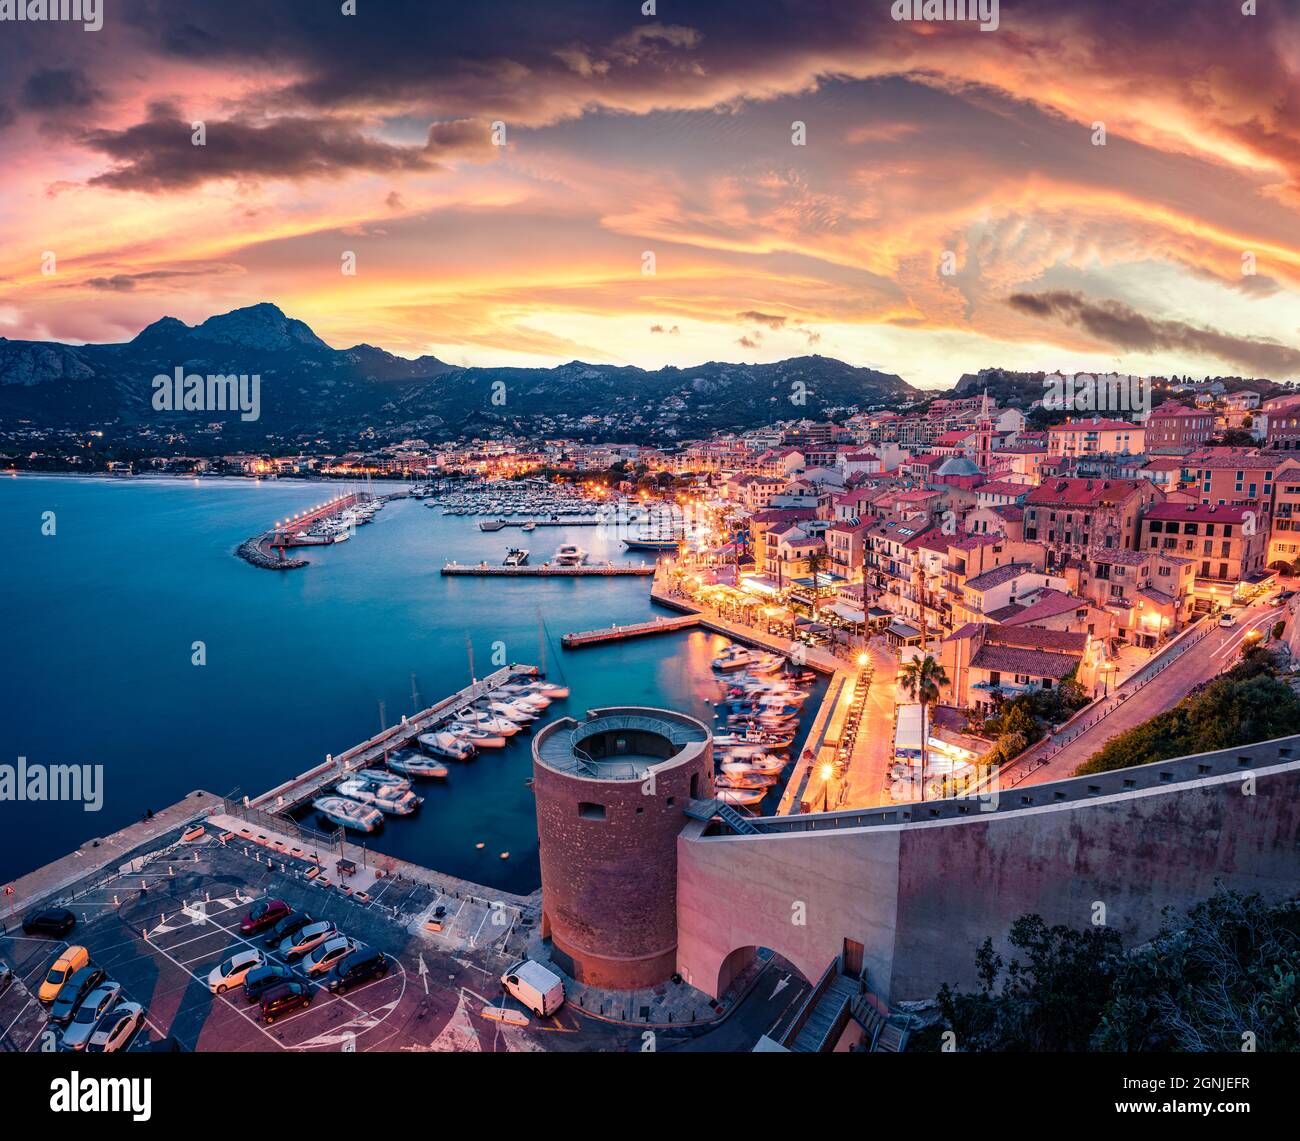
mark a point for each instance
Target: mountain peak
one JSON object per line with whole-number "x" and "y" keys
{"x": 260, "y": 326}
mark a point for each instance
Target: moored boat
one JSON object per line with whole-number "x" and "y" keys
{"x": 447, "y": 745}
{"x": 349, "y": 813}
{"x": 413, "y": 764}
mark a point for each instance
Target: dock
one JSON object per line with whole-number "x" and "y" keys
{"x": 580, "y": 521}
{"x": 586, "y": 570}
{"x": 633, "y": 630}
{"x": 284, "y": 798}
{"x": 268, "y": 549}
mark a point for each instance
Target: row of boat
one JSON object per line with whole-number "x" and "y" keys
{"x": 762, "y": 699}
{"x": 366, "y": 797}
{"x": 339, "y": 528}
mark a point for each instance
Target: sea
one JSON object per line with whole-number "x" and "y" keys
{"x": 135, "y": 640}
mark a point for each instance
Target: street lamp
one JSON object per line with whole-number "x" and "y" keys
{"x": 827, "y": 772}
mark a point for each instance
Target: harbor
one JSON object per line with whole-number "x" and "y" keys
{"x": 549, "y": 570}
{"x": 335, "y": 521}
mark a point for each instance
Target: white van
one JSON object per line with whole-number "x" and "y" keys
{"x": 539, "y": 989}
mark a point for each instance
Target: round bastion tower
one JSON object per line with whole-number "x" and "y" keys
{"x": 611, "y": 798}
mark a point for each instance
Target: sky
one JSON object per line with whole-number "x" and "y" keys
{"x": 1092, "y": 186}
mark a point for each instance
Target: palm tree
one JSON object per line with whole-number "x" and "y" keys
{"x": 922, "y": 677}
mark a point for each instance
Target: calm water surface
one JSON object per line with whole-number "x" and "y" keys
{"x": 99, "y": 622}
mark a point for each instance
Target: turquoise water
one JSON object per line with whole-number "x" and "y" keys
{"x": 99, "y": 620}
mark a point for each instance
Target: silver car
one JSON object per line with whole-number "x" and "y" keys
{"x": 327, "y": 954}
{"x": 116, "y": 1029}
{"x": 96, "y": 1004}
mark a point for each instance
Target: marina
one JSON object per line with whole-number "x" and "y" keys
{"x": 352, "y": 633}
{"x": 549, "y": 570}
{"x": 335, "y": 521}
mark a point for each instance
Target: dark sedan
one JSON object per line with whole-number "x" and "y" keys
{"x": 53, "y": 921}
{"x": 73, "y": 991}
{"x": 262, "y": 979}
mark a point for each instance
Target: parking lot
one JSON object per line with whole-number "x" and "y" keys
{"x": 160, "y": 926}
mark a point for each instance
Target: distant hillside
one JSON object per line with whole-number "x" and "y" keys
{"x": 312, "y": 391}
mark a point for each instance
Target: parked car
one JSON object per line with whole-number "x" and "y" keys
{"x": 310, "y": 937}
{"x": 65, "y": 966}
{"x": 1227, "y": 618}
{"x": 6, "y": 979}
{"x": 284, "y": 998}
{"x": 231, "y": 972}
{"x": 290, "y": 925}
{"x": 357, "y": 968}
{"x": 53, "y": 921}
{"x": 98, "y": 1003}
{"x": 263, "y": 978}
{"x": 71, "y": 993}
{"x": 327, "y": 954}
{"x": 116, "y": 1029}
{"x": 537, "y": 987}
{"x": 265, "y": 914}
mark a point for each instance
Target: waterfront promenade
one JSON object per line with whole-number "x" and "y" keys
{"x": 860, "y": 779}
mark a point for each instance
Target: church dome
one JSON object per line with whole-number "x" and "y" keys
{"x": 958, "y": 465}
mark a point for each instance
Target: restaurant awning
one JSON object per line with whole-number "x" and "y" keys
{"x": 847, "y": 613}
{"x": 760, "y": 584}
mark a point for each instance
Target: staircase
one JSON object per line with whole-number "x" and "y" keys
{"x": 824, "y": 1018}
{"x": 738, "y": 822}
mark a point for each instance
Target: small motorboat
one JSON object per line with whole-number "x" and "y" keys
{"x": 767, "y": 763}
{"x": 476, "y": 734}
{"x": 390, "y": 801}
{"x": 447, "y": 745}
{"x": 738, "y": 795}
{"x": 511, "y": 711}
{"x": 734, "y": 658}
{"x": 569, "y": 555}
{"x": 349, "y": 813}
{"x": 516, "y": 557}
{"x": 488, "y": 721}
{"x": 522, "y": 695}
{"x": 531, "y": 525}
{"x": 413, "y": 764}
{"x": 379, "y": 776}
{"x": 550, "y": 689}
{"x": 755, "y": 738}
{"x": 747, "y": 779}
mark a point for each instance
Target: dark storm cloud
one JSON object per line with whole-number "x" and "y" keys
{"x": 1124, "y": 327}
{"x": 158, "y": 154}
{"x": 58, "y": 89}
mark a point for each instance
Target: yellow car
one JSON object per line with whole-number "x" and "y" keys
{"x": 71, "y": 961}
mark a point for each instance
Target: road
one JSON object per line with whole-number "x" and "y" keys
{"x": 1215, "y": 653}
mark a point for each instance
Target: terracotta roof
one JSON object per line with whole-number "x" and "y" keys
{"x": 1050, "y": 604}
{"x": 1083, "y": 492}
{"x": 1038, "y": 638}
{"x": 999, "y": 575}
{"x": 1198, "y": 512}
{"x": 1035, "y": 663}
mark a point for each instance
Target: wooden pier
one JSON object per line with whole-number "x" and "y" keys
{"x": 545, "y": 570}
{"x": 634, "y": 630}
{"x": 305, "y": 786}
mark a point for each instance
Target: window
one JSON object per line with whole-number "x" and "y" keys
{"x": 589, "y": 811}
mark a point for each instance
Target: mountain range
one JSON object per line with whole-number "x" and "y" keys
{"x": 313, "y": 392}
